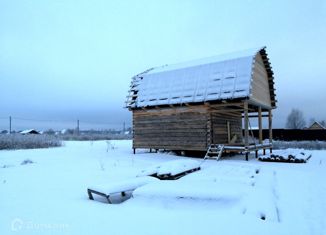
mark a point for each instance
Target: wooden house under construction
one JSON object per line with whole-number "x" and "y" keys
{"x": 204, "y": 104}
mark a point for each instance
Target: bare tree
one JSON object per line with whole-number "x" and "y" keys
{"x": 311, "y": 121}
{"x": 295, "y": 120}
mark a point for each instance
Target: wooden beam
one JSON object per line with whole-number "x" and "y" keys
{"x": 237, "y": 104}
{"x": 260, "y": 125}
{"x": 238, "y": 110}
{"x": 256, "y": 104}
{"x": 246, "y": 123}
{"x": 270, "y": 126}
{"x": 209, "y": 139}
{"x": 229, "y": 131}
{"x": 228, "y": 112}
{"x": 256, "y": 116}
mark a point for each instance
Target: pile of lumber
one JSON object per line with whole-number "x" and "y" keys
{"x": 172, "y": 170}
{"x": 286, "y": 156}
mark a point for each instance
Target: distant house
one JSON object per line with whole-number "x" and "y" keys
{"x": 316, "y": 126}
{"x": 29, "y": 131}
{"x": 195, "y": 105}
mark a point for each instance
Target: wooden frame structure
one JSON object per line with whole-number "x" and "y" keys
{"x": 194, "y": 126}
{"x": 204, "y": 128}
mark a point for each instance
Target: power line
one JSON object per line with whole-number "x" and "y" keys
{"x": 16, "y": 121}
{"x": 38, "y": 120}
{"x": 47, "y": 120}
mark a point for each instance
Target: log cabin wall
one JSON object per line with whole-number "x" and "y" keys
{"x": 220, "y": 129}
{"x": 172, "y": 129}
{"x": 187, "y": 128}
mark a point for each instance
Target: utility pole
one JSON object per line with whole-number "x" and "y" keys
{"x": 9, "y": 124}
{"x": 77, "y": 127}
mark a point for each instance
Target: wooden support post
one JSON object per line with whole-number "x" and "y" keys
{"x": 209, "y": 139}
{"x": 264, "y": 151}
{"x": 260, "y": 124}
{"x": 134, "y": 150}
{"x": 270, "y": 128}
{"x": 150, "y": 150}
{"x": 246, "y": 125}
{"x": 229, "y": 131}
{"x": 256, "y": 153}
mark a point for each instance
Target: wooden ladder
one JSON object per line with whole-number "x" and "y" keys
{"x": 214, "y": 151}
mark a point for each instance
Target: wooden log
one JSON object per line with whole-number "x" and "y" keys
{"x": 246, "y": 123}
{"x": 270, "y": 126}
{"x": 260, "y": 125}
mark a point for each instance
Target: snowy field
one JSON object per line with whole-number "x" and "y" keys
{"x": 43, "y": 191}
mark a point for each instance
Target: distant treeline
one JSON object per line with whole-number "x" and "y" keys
{"x": 75, "y": 131}
{"x": 75, "y": 134}
{"x": 95, "y": 136}
{"x": 19, "y": 141}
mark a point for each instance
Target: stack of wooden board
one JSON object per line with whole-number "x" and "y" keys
{"x": 290, "y": 156}
{"x": 172, "y": 170}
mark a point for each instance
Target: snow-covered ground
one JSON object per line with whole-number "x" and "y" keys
{"x": 230, "y": 196}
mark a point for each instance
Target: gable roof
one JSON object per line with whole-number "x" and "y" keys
{"x": 215, "y": 78}
{"x": 316, "y": 125}
{"x": 29, "y": 131}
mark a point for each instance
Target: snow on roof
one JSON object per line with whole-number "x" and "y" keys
{"x": 208, "y": 60}
{"x": 215, "y": 78}
{"x": 317, "y": 124}
{"x": 29, "y": 131}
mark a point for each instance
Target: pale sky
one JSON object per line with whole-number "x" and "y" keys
{"x": 67, "y": 60}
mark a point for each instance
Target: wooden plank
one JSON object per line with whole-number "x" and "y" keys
{"x": 172, "y": 136}
{"x": 168, "y": 144}
{"x": 171, "y": 110}
{"x": 168, "y": 131}
{"x": 175, "y": 147}
{"x": 158, "y": 120}
{"x": 168, "y": 125}
{"x": 231, "y": 104}
{"x": 232, "y": 113}
{"x": 260, "y": 85}
{"x": 260, "y": 125}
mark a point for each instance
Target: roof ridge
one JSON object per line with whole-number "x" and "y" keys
{"x": 207, "y": 60}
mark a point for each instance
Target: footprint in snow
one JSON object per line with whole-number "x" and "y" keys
{"x": 26, "y": 161}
